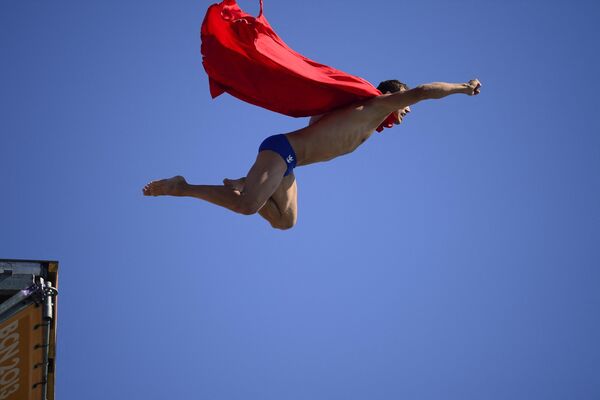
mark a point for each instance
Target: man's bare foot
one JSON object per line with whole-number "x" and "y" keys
{"x": 166, "y": 187}
{"x": 235, "y": 184}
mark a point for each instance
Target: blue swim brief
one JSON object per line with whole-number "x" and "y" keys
{"x": 280, "y": 145}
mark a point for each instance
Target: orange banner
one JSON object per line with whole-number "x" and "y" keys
{"x": 21, "y": 355}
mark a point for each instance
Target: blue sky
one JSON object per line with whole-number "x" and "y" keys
{"x": 456, "y": 256}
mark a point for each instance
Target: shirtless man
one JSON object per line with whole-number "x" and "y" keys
{"x": 270, "y": 186}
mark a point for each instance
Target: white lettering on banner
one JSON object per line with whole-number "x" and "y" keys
{"x": 9, "y": 360}
{"x": 4, "y": 393}
{"x": 8, "y": 329}
{"x": 10, "y": 377}
{"x": 4, "y": 368}
{"x": 8, "y": 351}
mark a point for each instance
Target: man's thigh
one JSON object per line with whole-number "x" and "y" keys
{"x": 264, "y": 178}
{"x": 281, "y": 209}
{"x": 286, "y": 197}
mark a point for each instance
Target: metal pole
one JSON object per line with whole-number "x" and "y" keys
{"x": 47, "y": 293}
{"x": 47, "y": 315}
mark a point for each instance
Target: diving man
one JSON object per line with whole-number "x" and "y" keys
{"x": 269, "y": 188}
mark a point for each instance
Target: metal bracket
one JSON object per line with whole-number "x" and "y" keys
{"x": 7, "y": 273}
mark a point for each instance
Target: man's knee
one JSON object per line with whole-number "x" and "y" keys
{"x": 248, "y": 206}
{"x": 284, "y": 223}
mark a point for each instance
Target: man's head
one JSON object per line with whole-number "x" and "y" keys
{"x": 393, "y": 86}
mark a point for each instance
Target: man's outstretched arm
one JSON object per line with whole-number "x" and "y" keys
{"x": 436, "y": 90}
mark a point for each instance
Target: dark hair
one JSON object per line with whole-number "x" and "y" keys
{"x": 392, "y": 86}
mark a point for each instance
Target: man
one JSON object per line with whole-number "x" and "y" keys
{"x": 270, "y": 186}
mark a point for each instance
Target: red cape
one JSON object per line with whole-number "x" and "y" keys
{"x": 244, "y": 57}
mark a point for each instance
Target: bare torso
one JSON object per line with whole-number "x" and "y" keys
{"x": 335, "y": 134}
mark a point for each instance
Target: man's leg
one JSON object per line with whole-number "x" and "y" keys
{"x": 281, "y": 210}
{"x": 262, "y": 181}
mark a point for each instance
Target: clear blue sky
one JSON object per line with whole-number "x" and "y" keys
{"x": 454, "y": 257}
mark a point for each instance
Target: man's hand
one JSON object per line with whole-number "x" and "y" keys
{"x": 473, "y": 87}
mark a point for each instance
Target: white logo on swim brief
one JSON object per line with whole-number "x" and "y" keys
{"x": 289, "y": 159}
